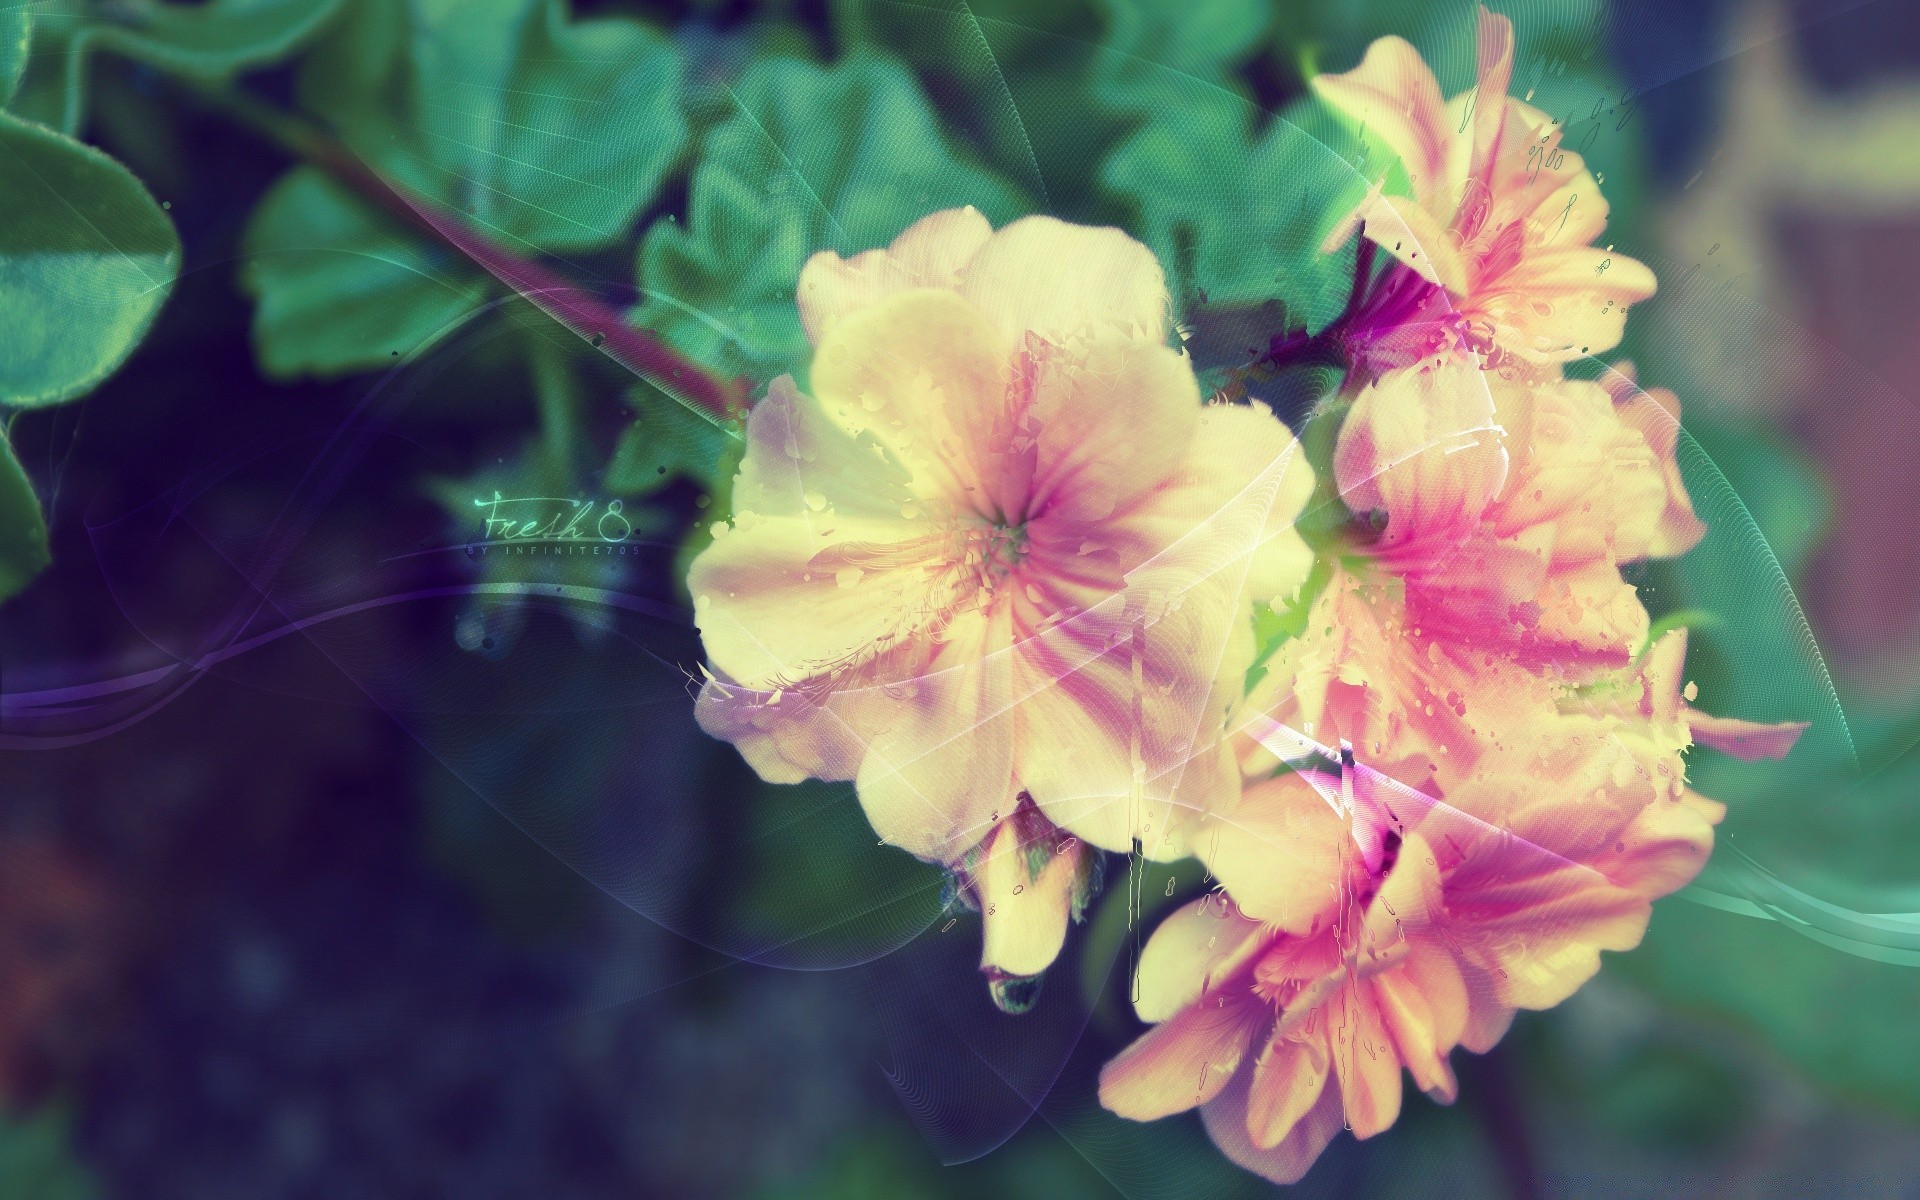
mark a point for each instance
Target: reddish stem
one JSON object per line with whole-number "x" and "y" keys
{"x": 573, "y": 306}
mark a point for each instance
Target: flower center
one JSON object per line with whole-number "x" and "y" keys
{"x": 995, "y": 550}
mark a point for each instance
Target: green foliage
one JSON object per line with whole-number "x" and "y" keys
{"x": 36, "y": 1161}
{"x": 1161, "y": 51}
{"x": 1237, "y": 215}
{"x": 544, "y": 135}
{"x": 86, "y": 260}
{"x": 1845, "y": 1022}
{"x": 548, "y": 133}
{"x": 813, "y": 158}
{"x": 15, "y": 29}
{"x": 23, "y": 531}
{"x": 212, "y": 39}
{"x": 813, "y": 877}
{"x": 666, "y": 441}
{"x": 342, "y": 286}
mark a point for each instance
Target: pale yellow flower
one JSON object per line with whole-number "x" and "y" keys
{"x": 1001, "y": 552}
{"x": 1495, "y": 245}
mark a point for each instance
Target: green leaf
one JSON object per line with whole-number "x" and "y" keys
{"x": 1238, "y": 216}
{"x": 37, "y": 1161}
{"x": 1160, "y": 49}
{"x": 23, "y": 530}
{"x": 341, "y": 286}
{"x": 86, "y": 260}
{"x": 668, "y": 441}
{"x": 813, "y": 158}
{"x": 546, "y": 135}
{"x": 212, "y": 39}
{"x": 846, "y": 895}
{"x": 1843, "y": 1021}
{"x": 550, "y": 134}
{"x": 16, "y": 27}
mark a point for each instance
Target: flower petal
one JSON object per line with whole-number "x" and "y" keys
{"x": 1225, "y": 1117}
{"x": 1182, "y": 1063}
{"x": 1395, "y": 97}
{"x": 1746, "y": 740}
{"x": 1042, "y": 275}
{"x": 1367, "y": 1062}
{"x": 1278, "y": 852}
{"x": 1193, "y": 951}
{"x": 1023, "y": 916}
{"x": 930, "y": 253}
{"x": 942, "y": 766}
{"x": 924, "y": 375}
{"x": 1287, "y": 1081}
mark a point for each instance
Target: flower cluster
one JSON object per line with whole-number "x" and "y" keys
{"x": 998, "y": 565}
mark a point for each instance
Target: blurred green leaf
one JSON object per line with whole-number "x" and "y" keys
{"x": 546, "y": 136}
{"x": 343, "y": 287}
{"x": 37, "y": 1160}
{"x": 668, "y": 441}
{"x": 86, "y": 260}
{"x": 1155, "y": 50}
{"x": 1010, "y": 77}
{"x": 213, "y": 38}
{"x": 550, "y": 134}
{"x": 814, "y": 878}
{"x": 1845, "y": 1022}
{"x": 23, "y": 530}
{"x": 1238, "y": 216}
{"x": 814, "y": 158}
{"x": 209, "y": 39}
{"x": 16, "y": 25}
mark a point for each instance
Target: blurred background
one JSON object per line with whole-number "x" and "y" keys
{"x": 346, "y": 851}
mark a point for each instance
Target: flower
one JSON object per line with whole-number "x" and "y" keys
{"x": 1027, "y": 878}
{"x": 1507, "y": 508}
{"x": 1495, "y": 245}
{"x": 1362, "y": 942}
{"x": 1515, "y": 817}
{"x": 1001, "y": 552}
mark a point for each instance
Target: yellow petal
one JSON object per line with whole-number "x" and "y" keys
{"x": 1395, "y": 97}
{"x": 923, "y": 374}
{"x": 1287, "y": 1081}
{"x": 1042, "y": 275}
{"x": 1023, "y": 917}
{"x": 930, "y": 253}
{"x": 1225, "y": 1118}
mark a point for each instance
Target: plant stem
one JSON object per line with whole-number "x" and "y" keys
{"x": 1494, "y": 1093}
{"x": 573, "y": 306}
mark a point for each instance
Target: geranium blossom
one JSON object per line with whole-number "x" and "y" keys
{"x": 1000, "y": 552}
{"x": 1358, "y": 945}
{"x": 1495, "y": 245}
{"x": 1507, "y": 508}
{"x": 1512, "y": 793}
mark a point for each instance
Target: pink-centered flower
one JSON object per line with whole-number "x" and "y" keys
{"x": 1505, "y": 510}
{"x": 998, "y": 558}
{"x": 1358, "y": 945}
{"x": 1495, "y": 243}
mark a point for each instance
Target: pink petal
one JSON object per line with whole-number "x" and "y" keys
{"x": 1287, "y": 1081}
{"x": 1394, "y": 95}
{"x": 1747, "y": 740}
{"x": 1226, "y": 1121}
{"x": 1183, "y": 1063}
